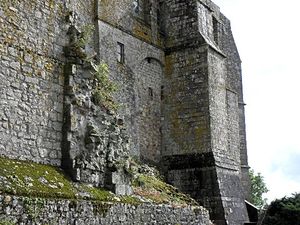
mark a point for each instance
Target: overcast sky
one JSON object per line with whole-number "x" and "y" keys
{"x": 267, "y": 33}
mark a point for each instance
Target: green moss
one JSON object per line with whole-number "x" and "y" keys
{"x": 36, "y": 182}
{"x": 130, "y": 200}
{"x": 6, "y": 222}
{"x": 44, "y": 181}
{"x": 99, "y": 194}
{"x": 160, "y": 192}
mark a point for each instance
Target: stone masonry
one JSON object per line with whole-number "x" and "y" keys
{"x": 21, "y": 211}
{"x": 180, "y": 96}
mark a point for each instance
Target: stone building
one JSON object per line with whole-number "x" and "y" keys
{"x": 179, "y": 82}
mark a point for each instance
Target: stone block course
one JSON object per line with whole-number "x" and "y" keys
{"x": 179, "y": 90}
{"x": 30, "y": 211}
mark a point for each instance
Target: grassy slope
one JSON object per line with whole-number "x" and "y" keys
{"x": 36, "y": 180}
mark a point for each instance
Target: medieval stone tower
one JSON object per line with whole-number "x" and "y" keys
{"x": 179, "y": 82}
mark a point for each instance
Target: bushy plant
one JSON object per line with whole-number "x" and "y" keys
{"x": 285, "y": 211}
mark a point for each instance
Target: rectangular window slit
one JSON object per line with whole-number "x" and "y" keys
{"x": 150, "y": 90}
{"x": 120, "y": 52}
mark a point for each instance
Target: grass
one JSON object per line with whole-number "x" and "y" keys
{"x": 36, "y": 180}
{"x": 155, "y": 189}
{"x": 30, "y": 179}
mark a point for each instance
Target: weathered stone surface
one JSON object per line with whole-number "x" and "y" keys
{"x": 95, "y": 144}
{"x": 21, "y": 210}
{"x": 180, "y": 91}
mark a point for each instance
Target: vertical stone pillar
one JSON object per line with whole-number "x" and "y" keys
{"x": 95, "y": 144}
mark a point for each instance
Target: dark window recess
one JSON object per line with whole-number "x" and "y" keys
{"x": 162, "y": 93}
{"x": 150, "y": 91}
{"x": 158, "y": 17}
{"x": 121, "y": 54}
{"x": 216, "y": 30}
{"x": 136, "y": 6}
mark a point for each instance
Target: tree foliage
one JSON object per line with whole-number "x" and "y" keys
{"x": 257, "y": 189}
{"x": 285, "y": 211}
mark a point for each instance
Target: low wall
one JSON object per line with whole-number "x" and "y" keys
{"x": 23, "y": 210}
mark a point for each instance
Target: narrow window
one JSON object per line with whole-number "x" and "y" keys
{"x": 216, "y": 30}
{"x": 150, "y": 91}
{"x": 158, "y": 17}
{"x": 121, "y": 56}
{"x": 136, "y": 6}
{"x": 162, "y": 93}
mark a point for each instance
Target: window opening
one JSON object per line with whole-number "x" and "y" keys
{"x": 216, "y": 30}
{"x": 162, "y": 93}
{"x": 121, "y": 55}
{"x": 150, "y": 91}
{"x": 136, "y": 6}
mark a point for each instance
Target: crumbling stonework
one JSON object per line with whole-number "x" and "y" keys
{"x": 179, "y": 82}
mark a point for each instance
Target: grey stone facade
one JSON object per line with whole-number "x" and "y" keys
{"x": 21, "y": 211}
{"x": 179, "y": 88}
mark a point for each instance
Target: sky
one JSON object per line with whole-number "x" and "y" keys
{"x": 267, "y": 34}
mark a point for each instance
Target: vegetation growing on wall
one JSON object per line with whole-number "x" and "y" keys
{"x": 36, "y": 181}
{"x": 104, "y": 87}
{"x": 148, "y": 183}
{"x": 84, "y": 36}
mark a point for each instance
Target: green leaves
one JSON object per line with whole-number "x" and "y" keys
{"x": 285, "y": 211}
{"x": 85, "y": 35}
{"x": 104, "y": 87}
{"x": 257, "y": 189}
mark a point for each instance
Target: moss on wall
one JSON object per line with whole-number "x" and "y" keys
{"x": 160, "y": 192}
{"x": 34, "y": 180}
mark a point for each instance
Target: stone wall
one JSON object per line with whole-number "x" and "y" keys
{"x": 234, "y": 85}
{"x": 180, "y": 93}
{"x": 201, "y": 129}
{"x": 31, "y": 73}
{"x": 139, "y": 78}
{"x": 21, "y": 210}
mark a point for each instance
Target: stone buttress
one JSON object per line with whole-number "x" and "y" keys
{"x": 203, "y": 110}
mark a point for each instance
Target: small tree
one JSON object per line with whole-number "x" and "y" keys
{"x": 257, "y": 189}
